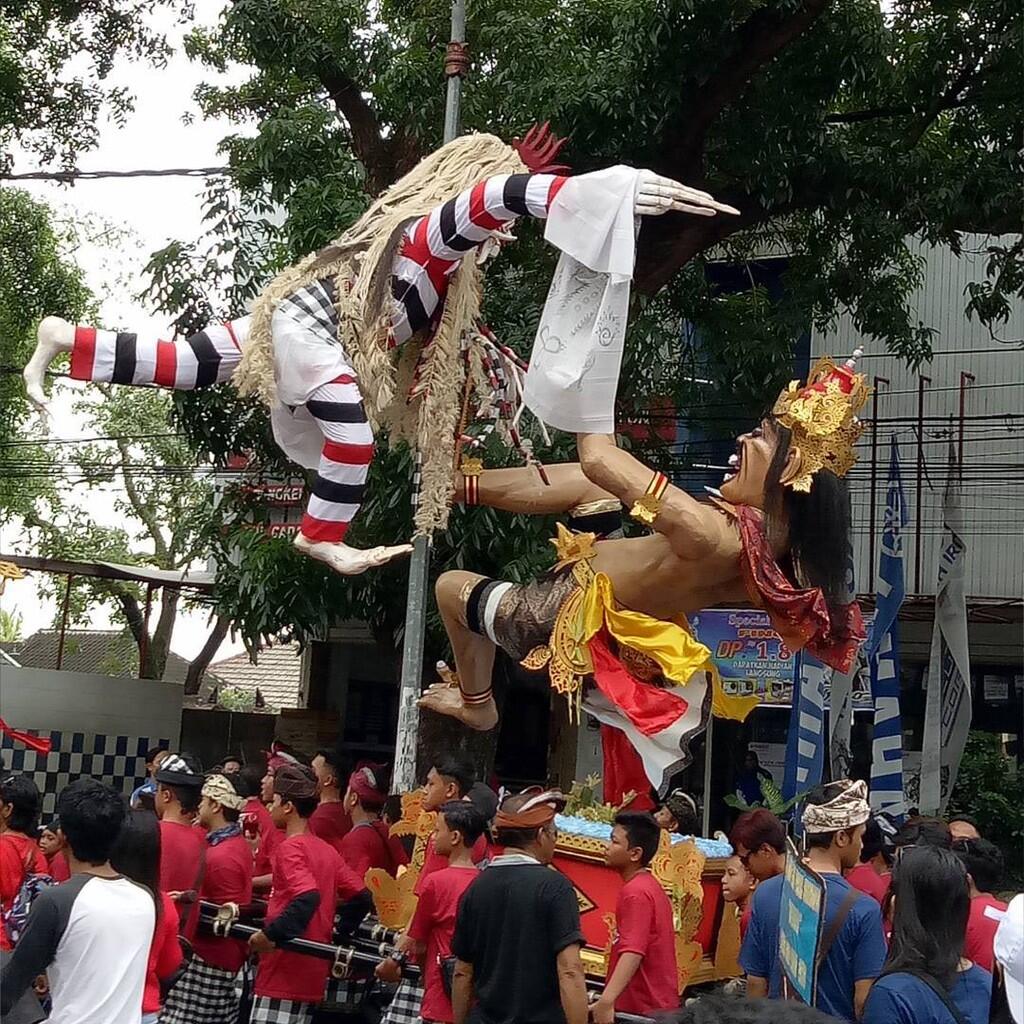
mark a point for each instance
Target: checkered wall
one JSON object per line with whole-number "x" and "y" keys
{"x": 119, "y": 760}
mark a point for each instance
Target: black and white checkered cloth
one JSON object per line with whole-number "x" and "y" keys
{"x": 405, "y": 1005}
{"x": 267, "y": 1010}
{"x": 204, "y": 995}
{"x": 346, "y": 994}
{"x": 312, "y": 307}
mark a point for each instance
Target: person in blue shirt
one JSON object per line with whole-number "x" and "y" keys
{"x": 833, "y": 819}
{"x": 926, "y": 971}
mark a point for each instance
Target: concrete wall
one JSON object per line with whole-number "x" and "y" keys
{"x": 98, "y": 725}
{"x": 210, "y": 734}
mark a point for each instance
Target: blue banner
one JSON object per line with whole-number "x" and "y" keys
{"x": 805, "y": 741}
{"x": 882, "y": 649}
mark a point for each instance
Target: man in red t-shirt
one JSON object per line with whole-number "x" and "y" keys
{"x": 330, "y": 821}
{"x": 429, "y": 935}
{"x": 874, "y": 872}
{"x": 369, "y": 844}
{"x": 205, "y": 994}
{"x": 983, "y": 862}
{"x": 257, "y": 825}
{"x": 642, "y": 968}
{"x": 19, "y": 855}
{"x": 179, "y": 781}
{"x": 308, "y": 874}
{"x": 449, "y": 778}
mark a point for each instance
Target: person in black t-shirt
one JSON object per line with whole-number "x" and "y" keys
{"x": 517, "y": 935}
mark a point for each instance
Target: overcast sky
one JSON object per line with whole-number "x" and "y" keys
{"x": 154, "y": 210}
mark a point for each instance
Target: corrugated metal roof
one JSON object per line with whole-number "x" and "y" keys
{"x": 993, "y": 485}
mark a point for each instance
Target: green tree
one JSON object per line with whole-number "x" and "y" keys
{"x": 37, "y": 276}
{"x": 10, "y": 626}
{"x": 161, "y": 496}
{"x": 54, "y": 62}
{"x": 838, "y": 128}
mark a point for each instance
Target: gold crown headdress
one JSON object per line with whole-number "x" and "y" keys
{"x": 822, "y": 416}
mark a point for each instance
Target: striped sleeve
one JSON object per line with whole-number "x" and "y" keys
{"x": 436, "y": 243}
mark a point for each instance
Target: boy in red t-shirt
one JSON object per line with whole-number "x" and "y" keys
{"x": 179, "y": 781}
{"x": 369, "y": 844}
{"x": 307, "y": 874}
{"x": 205, "y": 994}
{"x": 330, "y": 821}
{"x": 983, "y": 862}
{"x": 449, "y": 778}
{"x": 51, "y": 842}
{"x": 19, "y": 855}
{"x": 429, "y": 935}
{"x": 257, "y": 824}
{"x": 642, "y": 968}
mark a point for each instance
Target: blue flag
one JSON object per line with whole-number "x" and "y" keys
{"x": 805, "y": 743}
{"x": 882, "y": 650}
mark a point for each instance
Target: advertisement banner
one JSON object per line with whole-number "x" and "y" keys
{"x": 800, "y": 918}
{"x": 754, "y": 660}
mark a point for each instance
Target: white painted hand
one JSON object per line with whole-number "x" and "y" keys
{"x": 656, "y": 195}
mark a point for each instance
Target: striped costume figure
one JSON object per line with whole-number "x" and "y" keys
{"x": 319, "y": 420}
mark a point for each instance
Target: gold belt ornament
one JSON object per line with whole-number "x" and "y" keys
{"x": 667, "y": 647}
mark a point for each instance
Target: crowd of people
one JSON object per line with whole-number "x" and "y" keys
{"x": 911, "y": 930}
{"x": 99, "y": 903}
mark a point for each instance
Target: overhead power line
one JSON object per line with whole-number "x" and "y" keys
{"x": 76, "y": 175}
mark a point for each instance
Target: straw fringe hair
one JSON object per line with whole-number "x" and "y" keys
{"x": 443, "y": 375}
{"x": 360, "y": 261}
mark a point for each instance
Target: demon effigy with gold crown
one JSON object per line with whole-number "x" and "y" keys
{"x": 608, "y": 622}
{"x": 382, "y": 327}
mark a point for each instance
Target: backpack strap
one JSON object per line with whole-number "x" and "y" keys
{"x": 836, "y": 924}
{"x": 933, "y": 984}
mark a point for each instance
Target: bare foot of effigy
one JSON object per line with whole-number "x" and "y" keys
{"x": 350, "y": 561}
{"x": 445, "y": 699}
{"x": 53, "y": 337}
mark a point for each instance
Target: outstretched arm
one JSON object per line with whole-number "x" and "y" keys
{"x": 693, "y": 529}
{"x": 521, "y": 489}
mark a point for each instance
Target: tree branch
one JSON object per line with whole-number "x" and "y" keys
{"x": 160, "y": 638}
{"x": 757, "y": 42}
{"x": 201, "y": 662}
{"x": 140, "y": 508}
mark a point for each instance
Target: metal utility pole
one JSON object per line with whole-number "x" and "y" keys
{"x": 403, "y": 778}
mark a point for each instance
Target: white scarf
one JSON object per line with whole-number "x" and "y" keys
{"x": 577, "y": 354}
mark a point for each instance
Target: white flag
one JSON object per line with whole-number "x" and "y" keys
{"x": 947, "y": 716}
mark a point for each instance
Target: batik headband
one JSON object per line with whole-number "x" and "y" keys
{"x": 846, "y": 810}
{"x": 219, "y": 788}
{"x": 365, "y": 782}
{"x": 538, "y": 811}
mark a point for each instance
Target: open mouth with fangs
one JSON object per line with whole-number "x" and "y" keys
{"x": 735, "y": 461}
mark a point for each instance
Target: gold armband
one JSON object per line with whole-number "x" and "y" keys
{"x": 471, "y": 470}
{"x": 648, "y": 506}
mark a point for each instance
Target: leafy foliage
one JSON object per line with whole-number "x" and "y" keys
{"x": 991, "y": 791}
{"x": 36, "y": 277}
{"x": 162, "y": 497}
{"x": 55, "y": 58}
{"x": 772, "y": 799}
{"x": 583, "y": 803}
